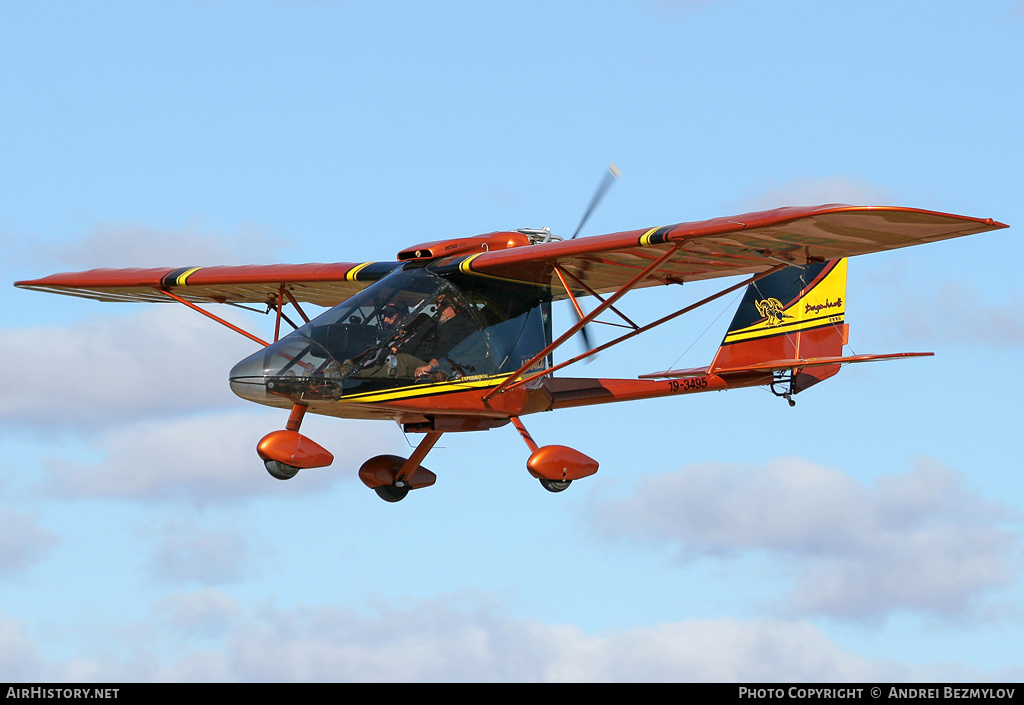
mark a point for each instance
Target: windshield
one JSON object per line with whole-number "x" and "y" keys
{"x": 412, "y": 327}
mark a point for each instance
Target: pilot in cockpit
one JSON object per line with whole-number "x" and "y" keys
{"x": 420, "y": 350}
{"x": 392, "y": 314}
{"x": 391, "y": 317}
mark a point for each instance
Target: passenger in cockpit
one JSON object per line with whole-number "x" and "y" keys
{"x": 423, "y": 352}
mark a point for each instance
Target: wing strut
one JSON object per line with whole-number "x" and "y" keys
{"x": 579, "y": 311}
{"x": 638, "y": 331}
{"x": 220, "y": 320}
{"x": 573, "y": 330}
{"x": 283, "y": 292}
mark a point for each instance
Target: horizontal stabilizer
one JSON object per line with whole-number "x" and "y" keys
{"x": 677, "y": 374}
{"x": 772, "y": 365}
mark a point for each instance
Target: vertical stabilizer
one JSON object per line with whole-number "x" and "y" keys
{"x": 796, "y": 313}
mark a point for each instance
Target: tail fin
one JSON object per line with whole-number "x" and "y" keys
{"x": 790, "y": 324}
{"x": 793, "y": 314}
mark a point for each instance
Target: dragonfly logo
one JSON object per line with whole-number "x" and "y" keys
{"x": 771, "y": 309}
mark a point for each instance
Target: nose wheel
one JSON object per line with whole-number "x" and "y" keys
{"x": 279, "y": 470}
{"x": 555, "y": 485}
{"x": 286, "y": 452}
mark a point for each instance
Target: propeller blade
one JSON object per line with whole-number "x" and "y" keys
{"x": 610, "y": 177}
{"x": 583, "y": 332}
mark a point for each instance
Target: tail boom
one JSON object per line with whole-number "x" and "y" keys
{"x": 789, "y": 326}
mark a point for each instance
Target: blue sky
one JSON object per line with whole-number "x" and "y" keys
{"x": 873, "y": 532}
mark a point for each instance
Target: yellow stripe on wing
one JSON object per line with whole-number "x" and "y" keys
{"x": 466, "y": 268}
{"x": 182, "y": 279}
{"x": 353, "y": 274}
{"x": 464, "y": 264}
{"x": 645, "y": 239}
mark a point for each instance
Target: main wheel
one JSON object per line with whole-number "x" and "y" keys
{"x": 554, "y": 485}
{"x": 390, "y": 493}
{"x": 280, "y": 471}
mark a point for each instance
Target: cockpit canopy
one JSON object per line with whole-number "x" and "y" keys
{"x": 412, "y": 327}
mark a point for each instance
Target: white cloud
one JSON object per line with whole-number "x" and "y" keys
{"x": 160, "y": 361}
{"x": 22, "y": 541}
{"x": 207, "y": 613}
{"x": 19, "y": 658}
{"x": 138, "y": 245}
{"x": 915, "y": 541}
{"x": 951, "y": 313}
{"x": 438, "y": 643}
{"x": 217, "y": 640}
{"x": 189, "y": 553}
{"x": 210, "y": 458}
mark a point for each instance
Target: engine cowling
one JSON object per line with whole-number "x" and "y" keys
{"x": 465, "y": 245}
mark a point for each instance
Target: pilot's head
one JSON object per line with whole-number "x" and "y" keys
{"x": 446, "y": 307}
{"x": 394, "y": 313}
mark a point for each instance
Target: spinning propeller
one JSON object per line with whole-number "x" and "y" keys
{"x": 610, "y": 177}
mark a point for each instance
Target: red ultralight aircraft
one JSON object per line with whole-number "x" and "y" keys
{"x": 456, "y": 335}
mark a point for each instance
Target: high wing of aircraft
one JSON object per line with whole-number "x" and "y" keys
{"x": 456, "y": 335}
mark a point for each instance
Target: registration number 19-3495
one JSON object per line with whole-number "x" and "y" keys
{"x": 688, "y": 384}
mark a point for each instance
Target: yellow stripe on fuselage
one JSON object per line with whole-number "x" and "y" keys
{"x": 421, "y": 390}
